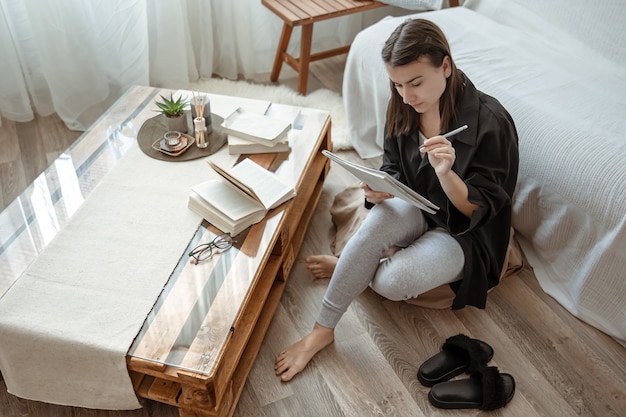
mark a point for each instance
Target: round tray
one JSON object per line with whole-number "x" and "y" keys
{"x": 151, "y": 133}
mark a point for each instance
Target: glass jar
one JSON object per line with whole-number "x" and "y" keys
{"x": 202, "y": 133}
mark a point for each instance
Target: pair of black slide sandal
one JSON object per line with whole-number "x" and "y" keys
{"x": 485, "y": 389}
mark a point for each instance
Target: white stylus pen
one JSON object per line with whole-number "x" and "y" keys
{"x": 450, "y": 133}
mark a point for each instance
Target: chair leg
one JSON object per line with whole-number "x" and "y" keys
{"x": 281, "y": 51}
{"x": 305, "y": 57}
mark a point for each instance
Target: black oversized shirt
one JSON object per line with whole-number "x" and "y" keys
{"x": 487, "y": 161}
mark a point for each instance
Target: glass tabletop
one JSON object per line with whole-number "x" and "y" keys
{"x": 196, "y": 313}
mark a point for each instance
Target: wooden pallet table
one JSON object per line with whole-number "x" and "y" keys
{"x": 198, "y": 344}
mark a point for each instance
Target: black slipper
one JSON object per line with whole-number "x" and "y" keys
{"x": 458, "y": 354}
{"x": 486, "y": 389}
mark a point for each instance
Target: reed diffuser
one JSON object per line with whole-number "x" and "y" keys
{"x": 199, "y": 122}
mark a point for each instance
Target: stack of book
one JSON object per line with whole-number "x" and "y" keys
{"x": 249, "y": 133}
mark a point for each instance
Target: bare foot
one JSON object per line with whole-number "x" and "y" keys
{"x": 321, "y": 266}
{"x": 295, "y": 358}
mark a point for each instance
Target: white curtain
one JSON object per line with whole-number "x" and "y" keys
{"x": 76, "y": 57}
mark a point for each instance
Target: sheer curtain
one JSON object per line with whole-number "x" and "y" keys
{"x": 76, "y": 57}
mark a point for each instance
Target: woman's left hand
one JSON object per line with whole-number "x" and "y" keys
{"x": 441, "y": 154}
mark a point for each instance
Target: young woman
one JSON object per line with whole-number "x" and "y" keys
{"x": 470, "y": 176}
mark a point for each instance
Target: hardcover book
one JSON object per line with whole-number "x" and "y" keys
{"x": 259, "y": 128}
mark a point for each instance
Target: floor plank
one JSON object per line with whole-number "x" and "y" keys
{"x": 27, "y": 149}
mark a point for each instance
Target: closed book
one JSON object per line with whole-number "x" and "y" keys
{"x": 258, "y": 128}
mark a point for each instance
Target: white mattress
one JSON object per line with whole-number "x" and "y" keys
{"x": 569, "y": 110}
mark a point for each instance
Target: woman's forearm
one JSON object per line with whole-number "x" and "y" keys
{"x": 457, "y": 193}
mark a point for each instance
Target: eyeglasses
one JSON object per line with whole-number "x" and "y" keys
{"x": 204, "y": 251}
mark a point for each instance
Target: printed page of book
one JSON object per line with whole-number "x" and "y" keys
{"x": 209, "y": 213}
{"x": 258, "y": 182}
{"x": 219, "y": 219}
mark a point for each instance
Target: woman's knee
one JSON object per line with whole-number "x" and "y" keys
{"x": 417, "y": 269}
{"x": 389, "y": 290}
{"x": 394, "y": 282}
{"x": 394, "y": 219}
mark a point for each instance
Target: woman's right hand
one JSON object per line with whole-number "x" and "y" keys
{"x": 375, "y": 197}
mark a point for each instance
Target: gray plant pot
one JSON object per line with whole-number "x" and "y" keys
{"x": 178, "y": 123}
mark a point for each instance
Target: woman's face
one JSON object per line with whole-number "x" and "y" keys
{"x": 420, "y": 84}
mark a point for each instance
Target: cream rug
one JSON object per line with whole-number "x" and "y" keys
{"x": 323, "y": 99}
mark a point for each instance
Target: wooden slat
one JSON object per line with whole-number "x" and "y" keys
{"x": 312, "y": 10}
{"x": 144, "y": 365}
{"x": 256, "y": 339}
{"x": 164, "y": 391}
{"x": 264, "y": 159}
{"x": 287, "y": 11}
{"x": 296, "y": 13}
{"x": 330, "y": 53}
{"x": 334, "y": 6}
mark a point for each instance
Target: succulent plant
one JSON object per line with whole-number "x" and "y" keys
{"x": 172, "y": 107}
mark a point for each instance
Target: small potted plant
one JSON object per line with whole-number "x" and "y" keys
{"x": 173, "y": 111}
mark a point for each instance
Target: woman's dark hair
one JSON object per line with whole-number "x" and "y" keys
{"x": 413, "y": 39}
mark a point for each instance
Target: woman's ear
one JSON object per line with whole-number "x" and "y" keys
{"x": 447, "y": 66}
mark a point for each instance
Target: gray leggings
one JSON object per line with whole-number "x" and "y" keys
{"x": 426, "y": 260}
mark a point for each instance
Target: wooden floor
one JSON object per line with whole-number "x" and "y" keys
{"x": 562, "y": 366}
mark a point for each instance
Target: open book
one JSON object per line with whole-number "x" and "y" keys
{"x": 381, "y": 181}
{"x": 240, "y": 198}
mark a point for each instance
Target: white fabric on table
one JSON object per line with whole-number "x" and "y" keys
{"x": 568, "y": 106}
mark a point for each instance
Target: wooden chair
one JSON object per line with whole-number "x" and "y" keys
{"x": 305, "y": 13}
